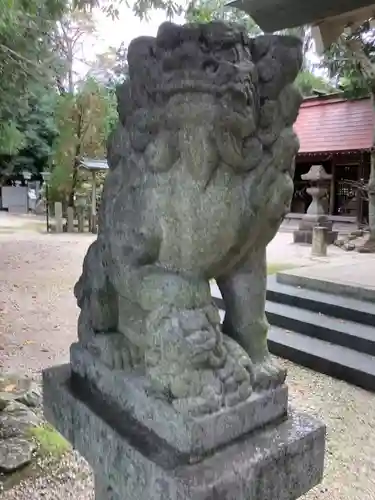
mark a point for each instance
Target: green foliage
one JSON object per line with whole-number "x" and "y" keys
{"x": 276, "y": 268}
{"x": 49, "y": 441}
{"x": 308, "y": 83}
{"x": 141, "y": 8}
{"x": 67, "y": 40}
{"x": 11, "y": 138}
{"x": 26, "y": 122}
{"x": 204, "y": 11}
{"x": 27, "y": 140}
{"x": 343, "y": 61}
{"x": 24, "y": 44}
{"x": 38, "y": 41}
{"x": 111, "y": 66}
{"x": 84, "y": 121}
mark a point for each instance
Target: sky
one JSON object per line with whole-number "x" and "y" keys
{"x": 112, "y": 32}
{"x": 128, "y": 26}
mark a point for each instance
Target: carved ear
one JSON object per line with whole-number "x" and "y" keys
{"x": 278, "y": 60}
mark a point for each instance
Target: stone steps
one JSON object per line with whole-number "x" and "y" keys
{"x": 330, "y": 333}
{"x": 323, "y": 326}
{"x": 320, "y": 326}
{"x": 334, "y": 360}
{"x": 334, "y": 304}
{"x": 353, "y": 290}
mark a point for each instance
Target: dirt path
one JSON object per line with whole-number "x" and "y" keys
{"x": 38, "y": 313}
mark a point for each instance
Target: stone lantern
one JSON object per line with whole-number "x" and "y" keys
{"x": 316, "y": 214}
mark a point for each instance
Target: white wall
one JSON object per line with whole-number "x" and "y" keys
{"x": 14, "y": 198}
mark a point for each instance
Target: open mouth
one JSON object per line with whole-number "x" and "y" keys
{"x": 241, "y": 91}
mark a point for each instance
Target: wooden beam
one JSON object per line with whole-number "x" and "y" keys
{"x": 332, "y": 193}
{"x": 276, "y": 15}
{"x": 361, "y": 174}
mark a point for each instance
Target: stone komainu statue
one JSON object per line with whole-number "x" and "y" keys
{"x": 201, "y": 168}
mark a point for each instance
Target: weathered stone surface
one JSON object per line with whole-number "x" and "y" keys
{"x": 103, "y": 491}
{"x": 352, "y": 241}
{"x": 15, "y": 453}
{"x": 339, "y": 242}
{"x": 129, "y": 393}
{"x": 59, "y": 222}
{"x": 33, "y": 397}
{"x": 17, "y": 394}
{"x": 14, "y": 387}
{"x": 319, "y": 241}
{"x": 70, "y": 219}
{"x": 349, "y": 246}
{"x": 16, "y": 420}
{"x": 305, "y": 235}
{"x": 281, "y": 461}
{"x": 200, "y": 178}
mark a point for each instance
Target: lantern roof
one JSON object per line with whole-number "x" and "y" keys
{"x": 94, "y": 164}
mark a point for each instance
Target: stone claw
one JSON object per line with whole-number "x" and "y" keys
{"x": 268, "y": 374}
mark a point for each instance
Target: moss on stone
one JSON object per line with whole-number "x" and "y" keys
{"x": 49, "y": 441}
{"x": 275, "y": 268}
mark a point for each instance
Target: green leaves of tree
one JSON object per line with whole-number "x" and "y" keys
{"x": 84, "y": 121}
{"x": 343, "y": 60}
{"x": 24, "y": 61}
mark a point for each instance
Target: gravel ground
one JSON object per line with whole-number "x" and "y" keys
{"x": 37, "y": 324}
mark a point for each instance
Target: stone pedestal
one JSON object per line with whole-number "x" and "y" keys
{"x": 319, "y": 242}
{"x": 316, "y": 213}
{"x": 134, "y": 457}
{"x": 58, "y": 217}
{"x": 142, "y": 448}
{"x": 70, "y": 219}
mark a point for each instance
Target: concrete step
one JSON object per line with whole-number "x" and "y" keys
{"x": 337, "y": 361}
{"x": 337, "y": 306}
{"x": 356, "y": 291}
{"x": 349, "y": 334}
{"x": 328, "y": 333}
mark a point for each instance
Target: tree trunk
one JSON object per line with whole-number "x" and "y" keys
{"x": 77, "y": 159}
{"x": 74, "y": 185}
{"x": 69, "y": 60}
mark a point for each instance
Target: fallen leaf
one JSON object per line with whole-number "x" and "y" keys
{"x": 9, "y": 388}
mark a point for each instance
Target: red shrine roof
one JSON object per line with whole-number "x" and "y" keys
{"x": 333, "y": 124}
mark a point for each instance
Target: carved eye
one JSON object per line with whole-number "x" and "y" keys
{"x": 203, "y": 44}
{"x": 210, "y": 66}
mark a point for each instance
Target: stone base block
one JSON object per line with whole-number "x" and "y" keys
{"x": 190, "y": 436}
{"x": 281, "y": 461}
{"x": 306, "y": 236}
{"x": 308, "y": 222}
